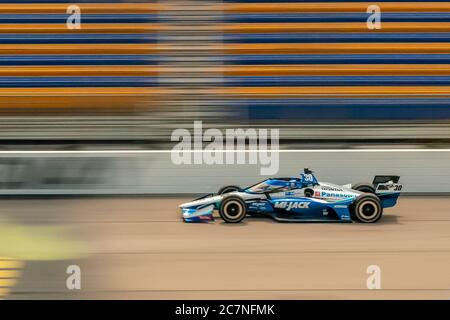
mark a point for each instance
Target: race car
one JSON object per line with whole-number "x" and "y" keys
{"x": 298, "y": 199}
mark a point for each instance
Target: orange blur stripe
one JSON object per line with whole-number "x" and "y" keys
{"x": 336, "y": 27}
{"x": 11, "y": 71}
{"x": 333, "y": 69}
{"x": 61, "y": 8}
{"x": 337, "y": 7}
{"x": 98, "y": 91}
{"x": 333, "y": 90}
{"x": 75, "y": 103}
{"x": 78, "y": 48}
{"x": 85, "y": 28}
{"x": 333, "y": 48}
{"x": 150, "y": 7}
{"x": 40, "y": 99}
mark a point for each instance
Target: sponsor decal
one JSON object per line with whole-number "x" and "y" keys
{"x": 335, "y": 195}
{"x": 288, "y": 205}
{"x": 317, "y": 194}
{"x": 258, "y": 204}
{"x": 331, "y": 188}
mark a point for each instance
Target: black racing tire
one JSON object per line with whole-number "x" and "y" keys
{"x": 367, "y": 208}
{"x": 364, "y": 187}
{"x": 233, "y": 209}
{"x": 228, "y": 189}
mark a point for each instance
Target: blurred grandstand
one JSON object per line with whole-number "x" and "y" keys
{"x": 137, "y": 70}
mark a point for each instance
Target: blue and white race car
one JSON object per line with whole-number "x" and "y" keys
{"x": 298, "y": 199}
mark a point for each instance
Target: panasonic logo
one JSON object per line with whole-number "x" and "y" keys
{"x": 335, "y": 195}
{"x": 288, "y": 205}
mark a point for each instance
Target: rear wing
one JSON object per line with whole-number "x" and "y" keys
{"x": 383, "y": 184}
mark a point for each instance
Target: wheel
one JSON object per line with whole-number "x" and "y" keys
{"x": 233, "y": 209}
{"x": 364, "y": 187}
{"x": 368, "y": 208}
{"x": 228, "y": 189}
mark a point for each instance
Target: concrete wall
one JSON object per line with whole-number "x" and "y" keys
{"x": 146, "y": 172}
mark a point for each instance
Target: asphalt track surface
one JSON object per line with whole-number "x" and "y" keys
{"x": 138, "y": 248}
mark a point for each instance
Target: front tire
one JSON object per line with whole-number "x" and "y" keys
{"x": 368, "y": 208}
{"x": 233, "y": 209}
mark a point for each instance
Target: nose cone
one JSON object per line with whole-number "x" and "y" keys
{"x": 200, "y": 202}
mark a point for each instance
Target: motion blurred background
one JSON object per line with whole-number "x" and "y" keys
{"x": 91, "y": 111}
{"x": 137, "y": 70}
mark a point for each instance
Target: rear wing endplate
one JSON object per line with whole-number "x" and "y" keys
{"x": 384, "y": 184}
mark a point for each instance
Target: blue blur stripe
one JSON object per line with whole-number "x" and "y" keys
{"x": 76, "y": 38}
{"x": 337, "y": 17}
{"x": 333, "y": 102}
{"x": 36, "y": 82}
{"x": 337, "y": 59}
{"x": 320, "y": 110}
{"x": 336, "y": 37}
{"x": 350, "y": 112}
{"x": 304, "y": 81}
{"x": 85, "y": 18}
{"x": 50, "y": 60}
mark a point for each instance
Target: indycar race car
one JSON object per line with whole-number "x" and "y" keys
{"x": 298, "y": 199}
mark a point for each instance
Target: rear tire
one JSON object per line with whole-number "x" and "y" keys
{"x": 228, "y": 189}
{"x": 364, "y": 187}
{"x": 367, "y": 208}
{"x": 233, "y": 209}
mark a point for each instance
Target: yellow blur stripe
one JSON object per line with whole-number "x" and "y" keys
{"x": 5, "y": 283}
{"x": 78, "y": 49}
{"x": 336, "y": 27}
{"x": 336, "y": 7}
{"x": 132, "y": 70}
{"x": 334, "y": 90}
{"x": 336, "y": 69}
{"x": 61, "y": 8}
{"x": 85, "y": 28}
{"x": 9, "y": 274}
{"x": 4, "y": 292}
{"x": 334, "y": 48}
{"x": 7, "y": 263}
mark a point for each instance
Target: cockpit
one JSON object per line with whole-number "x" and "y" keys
{"x": 274, "y": 185}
